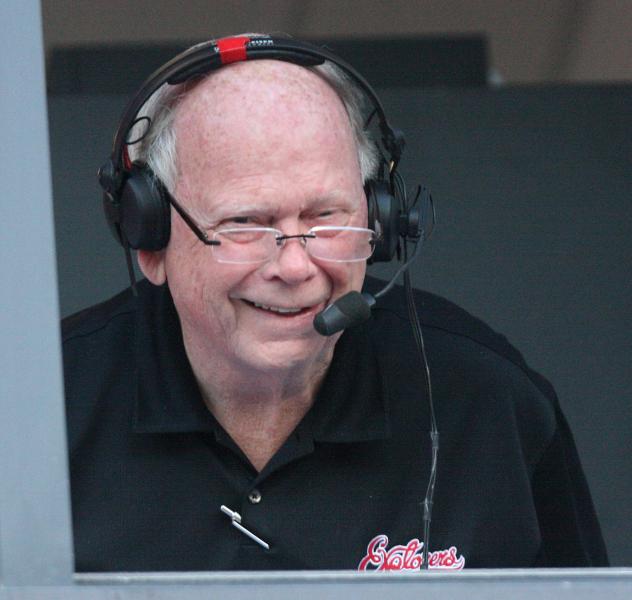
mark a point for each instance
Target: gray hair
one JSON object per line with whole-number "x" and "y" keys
{"x": 158, "y": 148}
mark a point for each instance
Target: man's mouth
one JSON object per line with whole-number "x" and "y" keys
{"x": 280, "y": 310}
{"x": 277, "y": 309}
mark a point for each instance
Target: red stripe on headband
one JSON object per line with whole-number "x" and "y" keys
{"x": 232, "y": 49}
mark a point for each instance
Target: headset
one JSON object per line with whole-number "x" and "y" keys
{"x": 137, "y": 204}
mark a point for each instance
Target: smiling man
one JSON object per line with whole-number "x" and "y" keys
{"x": 260, "y": 145}
{"x": 212, "y": 427}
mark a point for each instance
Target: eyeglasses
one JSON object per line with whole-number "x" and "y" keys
{"x": 252, "y": 245}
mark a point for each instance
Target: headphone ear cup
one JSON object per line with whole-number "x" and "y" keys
{"x": 383, "y": 219}
{"x": 145, "y": 214}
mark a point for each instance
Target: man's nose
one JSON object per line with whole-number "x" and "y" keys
{"x": 292, "y": 263}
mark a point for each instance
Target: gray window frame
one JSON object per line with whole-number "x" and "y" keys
{"x": 36, "y": 558}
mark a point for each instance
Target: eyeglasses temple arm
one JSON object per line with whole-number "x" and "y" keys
{"x": 193, "y": 226}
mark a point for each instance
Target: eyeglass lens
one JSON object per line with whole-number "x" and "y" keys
{"x": 259, "y": 244}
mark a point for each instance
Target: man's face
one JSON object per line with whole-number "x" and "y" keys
{"x": 264, "y": 144}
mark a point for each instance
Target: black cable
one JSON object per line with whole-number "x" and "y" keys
{"x": 402, "y": 269}
{"x": 130, "y": 264}
{"x": 434, "y": 433}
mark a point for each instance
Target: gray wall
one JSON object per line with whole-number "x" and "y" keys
{"x": 532, "y": 186}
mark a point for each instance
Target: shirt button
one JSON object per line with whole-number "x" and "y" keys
{"x": 254, "y": 497}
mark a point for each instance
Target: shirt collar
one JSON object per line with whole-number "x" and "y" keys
{"x": 351, "y": 406}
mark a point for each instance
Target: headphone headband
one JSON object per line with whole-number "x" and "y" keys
{"x": 210, "y": 56}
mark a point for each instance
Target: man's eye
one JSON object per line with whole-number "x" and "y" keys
{"x": 327, "y": 215}
{"x": 332, "y": 217}
{"x": 241, "y": 220}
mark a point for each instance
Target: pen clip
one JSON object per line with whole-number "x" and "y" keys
{"x": 235, "y": 519}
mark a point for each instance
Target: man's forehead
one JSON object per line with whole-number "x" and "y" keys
{"x": 267, "y": 72}
{"x": 253, "y": 86}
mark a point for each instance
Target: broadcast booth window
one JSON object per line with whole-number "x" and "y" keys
{"x": 254, "y": 409}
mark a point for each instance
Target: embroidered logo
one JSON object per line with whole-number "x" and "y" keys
{"x": 408, "y": 557}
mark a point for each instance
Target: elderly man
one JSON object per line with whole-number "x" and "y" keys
{"x": 212, "y": 427}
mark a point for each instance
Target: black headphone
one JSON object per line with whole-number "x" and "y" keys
{"x": 137, "y": 205}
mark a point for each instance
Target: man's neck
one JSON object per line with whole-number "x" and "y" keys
{"x": 259, "y": 427}
{"x": 259, "y": 410}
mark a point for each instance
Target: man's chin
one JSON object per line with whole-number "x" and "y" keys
{"x": 286, "y": 355}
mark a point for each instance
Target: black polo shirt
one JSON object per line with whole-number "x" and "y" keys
{"x": 151, "y": 467}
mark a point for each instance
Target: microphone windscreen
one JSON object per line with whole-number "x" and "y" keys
{"x": 349, "y": 310}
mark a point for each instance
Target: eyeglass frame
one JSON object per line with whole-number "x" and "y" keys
{"x": 203, "y": 236}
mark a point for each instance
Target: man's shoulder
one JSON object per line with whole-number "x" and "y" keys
{"x": 439, "y": 314}
{"x": 95, "y": 318}
{"x": 463, "y": 334}
{"x": 115, "y": 313}
{"x": 100, "y": 340}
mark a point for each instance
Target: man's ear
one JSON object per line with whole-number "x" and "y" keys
{"x": 152, "y": 264}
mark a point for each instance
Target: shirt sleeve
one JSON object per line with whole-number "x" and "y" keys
{"x": 571, "y": 536}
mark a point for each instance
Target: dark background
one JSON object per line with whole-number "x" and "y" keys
{"x": 532, "y": 186}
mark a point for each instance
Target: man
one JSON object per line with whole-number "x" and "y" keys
{"x": 212, "y": 427}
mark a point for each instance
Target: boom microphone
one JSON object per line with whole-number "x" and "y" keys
{"x": 349, "y": 310}
{"x": 355, "y": 307}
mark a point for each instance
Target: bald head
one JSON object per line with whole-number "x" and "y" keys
{"x": 254, "y": 112}
{"x": 286, "y": 80}
{"x": 250, "y": 85}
